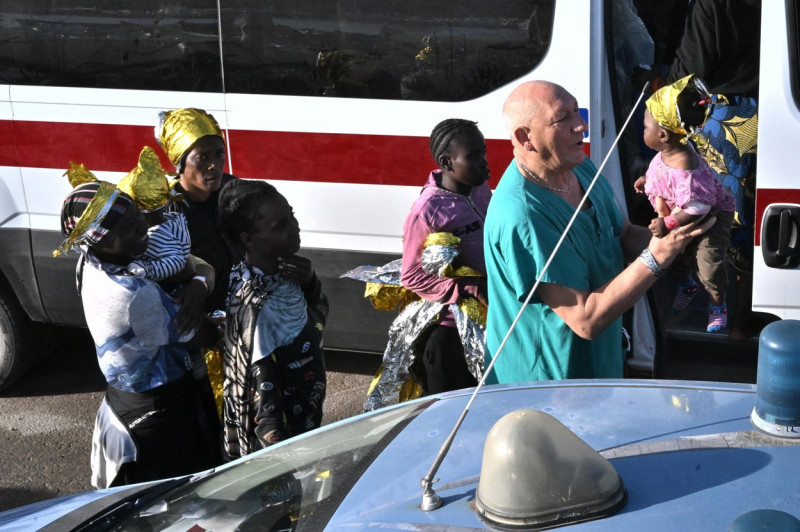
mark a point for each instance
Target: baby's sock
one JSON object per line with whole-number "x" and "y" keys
{"x": 717, "y": 317}
{"x": 686, "y": 292}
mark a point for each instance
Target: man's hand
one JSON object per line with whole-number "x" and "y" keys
{"x": 296, "y": 268}
{"x": 666, "y": 249}
{"x": 191, "y": 297}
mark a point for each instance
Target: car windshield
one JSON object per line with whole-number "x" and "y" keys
{"x": 296, "y": 485}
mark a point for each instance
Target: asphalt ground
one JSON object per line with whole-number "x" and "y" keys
{"x": 46, "y": 419}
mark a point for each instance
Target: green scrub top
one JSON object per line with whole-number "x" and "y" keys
{"x": 523, "y": 224}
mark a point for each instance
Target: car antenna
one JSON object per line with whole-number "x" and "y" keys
{"x": 430, "y": 500}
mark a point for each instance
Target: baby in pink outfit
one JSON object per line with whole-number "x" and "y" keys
{"x": 683, "y": 189}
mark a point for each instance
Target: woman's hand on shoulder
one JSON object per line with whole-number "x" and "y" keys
{"x": 296, "y": 268}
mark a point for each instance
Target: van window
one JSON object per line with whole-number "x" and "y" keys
{"x": 145, "y": 44}
{"x": 793, "y": 19}
{"x": 393, "y": 49}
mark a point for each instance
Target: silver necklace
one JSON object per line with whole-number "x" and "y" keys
{"x": 541, "y": 181}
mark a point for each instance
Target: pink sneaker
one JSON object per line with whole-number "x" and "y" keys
{"x": 684, "y": 296}
{"x": 717, "y": 318}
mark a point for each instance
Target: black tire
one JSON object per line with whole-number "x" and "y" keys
{"x": 17, "y": 350}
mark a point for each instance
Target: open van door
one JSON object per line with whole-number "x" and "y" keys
{"x": 776, "y": 270}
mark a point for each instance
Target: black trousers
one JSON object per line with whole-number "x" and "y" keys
{"x": 163, "y": 423}
{"x": 444, "y": 362}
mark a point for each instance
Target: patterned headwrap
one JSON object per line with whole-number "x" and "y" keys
{"x": 178, "y": 130}
{"x": 668, "y": 103}
{"x": 147, "y": 184}
{"x": 89, "y": 211}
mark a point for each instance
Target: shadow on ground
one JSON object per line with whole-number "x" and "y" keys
{"x": 67, "y": 364}
{"x": 11, "y": 498}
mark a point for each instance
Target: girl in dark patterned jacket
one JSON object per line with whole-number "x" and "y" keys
{"x": 276, "y": 310}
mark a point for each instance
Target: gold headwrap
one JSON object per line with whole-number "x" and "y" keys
{"x": 91, "y": 218}
{"x": 665, "y": 104}
{"x": 180, "y": 129}
{"x": 78, "y": 174}
{"x": 147, "y": 184}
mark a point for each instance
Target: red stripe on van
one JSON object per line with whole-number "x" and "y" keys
{"x": 344, "y": 158}
{"x": 328, "y": 157}
{"x": 7, "y": 150}
{"x": 101, "y": 147}
{"x": 767, "y": 196}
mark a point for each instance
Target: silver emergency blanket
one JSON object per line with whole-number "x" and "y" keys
{"x": 386, "y": 274}
{"x": 414, "y": 319}
{"x": 436, "y": 259}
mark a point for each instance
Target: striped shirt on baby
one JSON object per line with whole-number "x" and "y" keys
{"x": 167, "y": 251}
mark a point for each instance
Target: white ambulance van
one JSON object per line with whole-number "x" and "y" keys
{"x": 332, "y": 101}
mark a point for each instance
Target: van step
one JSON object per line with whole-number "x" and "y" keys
{"x": 699, "y": 355}
{"x": 687, "y": 351}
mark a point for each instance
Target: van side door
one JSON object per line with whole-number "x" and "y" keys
{"x": 776, "y": 271}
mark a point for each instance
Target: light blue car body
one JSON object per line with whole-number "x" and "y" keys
{"x": 660, "y": 430}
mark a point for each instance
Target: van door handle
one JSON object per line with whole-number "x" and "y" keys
{"x": 780, "y": 236}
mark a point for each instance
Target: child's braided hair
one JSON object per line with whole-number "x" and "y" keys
{"x": 445, "y": 131}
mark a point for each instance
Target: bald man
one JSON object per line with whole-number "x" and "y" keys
{"x": 572, "y": 327}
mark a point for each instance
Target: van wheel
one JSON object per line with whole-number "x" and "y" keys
{"x": 16, "y": 339}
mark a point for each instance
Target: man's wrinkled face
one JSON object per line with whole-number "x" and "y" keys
{"x": 556, "y": 133}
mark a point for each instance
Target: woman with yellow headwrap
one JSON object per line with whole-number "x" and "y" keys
{"x": 195, "y": 145}
{"x": 147, "y": 424}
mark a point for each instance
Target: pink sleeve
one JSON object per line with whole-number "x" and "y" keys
{"x": 413, "y": 277}
{"x": 657, "y": 184}
{"x": 694, "y": 191}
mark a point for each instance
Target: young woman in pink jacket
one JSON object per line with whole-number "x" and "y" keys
{"x": 453, "y": 200}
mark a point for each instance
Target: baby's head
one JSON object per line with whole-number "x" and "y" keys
{"x": 256, "y": 216}
{"x": 680, "y": 109}
{"x": 147, "y": 184}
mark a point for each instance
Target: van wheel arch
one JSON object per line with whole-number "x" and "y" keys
{"x": 17, "y": 349}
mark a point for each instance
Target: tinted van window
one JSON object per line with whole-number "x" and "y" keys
{"x": 393, "y": 49}
{"x": 793, "y": 18}
{"x": 145, "y": 44}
